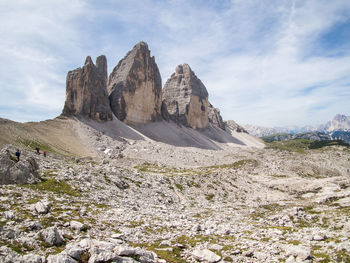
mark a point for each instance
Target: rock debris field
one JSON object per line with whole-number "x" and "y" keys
{"x": 146, "y": 201}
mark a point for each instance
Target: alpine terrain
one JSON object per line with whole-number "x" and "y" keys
{"x": 133, "y": 171}
{"x": 336, "y": 129}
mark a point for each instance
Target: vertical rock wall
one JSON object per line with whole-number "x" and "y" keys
{"x": 133, "y": 93}
{"x": 135, "y": 86}
{"x": 86, "y": 93}
{"x": 186, "y": 98}
{"x": 215, "y": 117}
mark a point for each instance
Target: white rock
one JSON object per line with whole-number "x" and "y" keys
{"x": 300, "y": 252}
{"x": 125, "y": 251}
{"x": 52, "y": 236}
{"x": 115, "y": 241}
{"x": 344, "y": 202}
{"x": 165, "y": 243}
{"x": 9, "y": 215}
{"x": 85, "y": 243}
{"x": 308, "y": 195}
{"x": 76, "y": 225}
{"x": 216, "y": 247}
{"x": 105, "y": 256}
{"x": 101, "y": 246}
{"x": 130, "y": 260}
{"x": 30, "y": 258}
{"x": 319, "y": 237}
{"x": 205, "y": 255}
{"x": 75, "y": 251}
{"x": 42, "y": 207}
{"x": 8, "y": 255}
{"x": 60, "y": 258}
{"x": 107, "y": 151}
{"x": 291, "y": 259}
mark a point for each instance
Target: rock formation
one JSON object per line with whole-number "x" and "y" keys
{"x": 135, "y": 86}
{"x": 22, "y": 172}
{"x": 233, "y": 126}
{"x": 186, "y": 98}
{"x": 215, "y": 117}
{"x": 86, "y": 91}
{"x": 340, "y": 122}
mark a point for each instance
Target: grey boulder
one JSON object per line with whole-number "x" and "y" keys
{"x": 22, "y": 172}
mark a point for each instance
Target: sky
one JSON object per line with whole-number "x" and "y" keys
{"x": 269, "y": 63}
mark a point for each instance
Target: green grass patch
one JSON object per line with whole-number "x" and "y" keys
{"x": 294, "y": 242}
{"x": 272, "y": 207}
{"x": 157, "y": 229}
{"x": 20, "y": 248}
{"x": 301, "y": 145}
{"x": 342, "y": 256}
{"x": 237, "y": 165}
{"x": 278, "y": 175}
{"x": 133, "y": 224}
{"x": 321, "y": 144}
{"x": 274, "y": 137}
{"x": 258, "y": 215}
{"x": 209, "y": 197}
{"x": 179, "y": 186}
{"x": 48, "y": 221}
{"x": 14, "y": 158}
{"x": 192, "y": 241}
{"x": 297, "y": 145}
{"x": 171, "y": 256}
{"x": 153, "y": 168}
{"x": 52, "y": 185}
{"x": 310, "y": 210}
{"x": 321, "y": 256}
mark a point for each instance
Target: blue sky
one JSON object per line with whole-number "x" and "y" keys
{"x": 270, "y": 63}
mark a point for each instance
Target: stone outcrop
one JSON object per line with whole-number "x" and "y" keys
{"x": 186, "y": 98}
{"x": 135, "y": 86}
{"x": 215, "y": 117}
{"x": 231, "y": 126}
{"x": 22, "y": 172}
{"x": 205, "y": 255}
{"x": 86, "y": 91}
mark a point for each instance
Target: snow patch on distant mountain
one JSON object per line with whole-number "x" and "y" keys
{"x": 338, "y": 123}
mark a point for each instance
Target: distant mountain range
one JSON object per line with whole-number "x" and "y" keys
{"x": 336, "y": 129}
{"x": 339, "y": 123}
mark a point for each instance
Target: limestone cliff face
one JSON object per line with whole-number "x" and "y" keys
{"x": 135, "y": 86}
{"x": 86, "y": 91}
{"x": 186, "y": 98}
{"x": 215, "y": 117}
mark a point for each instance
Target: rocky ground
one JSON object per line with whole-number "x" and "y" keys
{"x": 142, "y": 201}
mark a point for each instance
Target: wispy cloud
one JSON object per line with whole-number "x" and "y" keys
{"x": 276, "y": 62}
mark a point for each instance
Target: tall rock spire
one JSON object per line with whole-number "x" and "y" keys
{"x": 135, "y": 86}
{"x": 86, "y": 91}
{"x": 186, "y": 98}
{"x": 215, "y": 117}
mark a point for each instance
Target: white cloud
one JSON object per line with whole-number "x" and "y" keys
{"x": 256, "y": 58}
{"x": 36, "y": 37}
